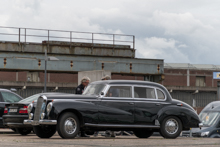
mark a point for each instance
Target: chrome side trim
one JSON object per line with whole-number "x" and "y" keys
{"x": 121, "y": 126}
{"x": 40, "y": 122}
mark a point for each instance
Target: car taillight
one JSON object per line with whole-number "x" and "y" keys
{"x": 5, "y": 110}
{"x": 23, "y": 110}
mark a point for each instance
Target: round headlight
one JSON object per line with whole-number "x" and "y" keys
{"x": 30, "y": 107}
{"x": 42, "y": 116}
{"x": 49, "y": 107}
{"x": 30, "y": 116}
{"x": 203, "y": 134}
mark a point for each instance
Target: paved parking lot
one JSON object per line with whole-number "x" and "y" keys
{"x": 10, "y": 139}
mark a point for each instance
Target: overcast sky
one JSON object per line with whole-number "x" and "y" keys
{"x": 179, "y": 31}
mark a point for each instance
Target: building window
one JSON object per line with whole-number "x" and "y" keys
{"x": 200, "y": 81}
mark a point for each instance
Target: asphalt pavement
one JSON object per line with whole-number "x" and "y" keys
{"x": 10, "y": 139}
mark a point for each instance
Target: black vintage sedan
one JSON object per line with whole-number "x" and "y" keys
{"x": 15, "y": 113}
{"x": 138, "y": 106}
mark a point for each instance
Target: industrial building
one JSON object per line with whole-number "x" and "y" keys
{"x": 191, "y": 83}
{"x": 24, "y": 51}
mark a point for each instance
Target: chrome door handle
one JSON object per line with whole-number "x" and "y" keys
{"x": 158, "y": 104}
{"x": 131, "y": 103}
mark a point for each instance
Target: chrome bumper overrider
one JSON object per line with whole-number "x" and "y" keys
{"x": 40, "y": 122}
{"x": 200, "y": 125}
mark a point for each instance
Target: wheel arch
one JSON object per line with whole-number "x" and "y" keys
{"x": 74, "y": 111}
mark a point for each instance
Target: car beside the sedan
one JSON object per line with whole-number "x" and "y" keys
{"x": 16, "y": 113}
{"x": 139, "y": 106}
{"x": 210, "y": 117}
{"x": 6, "y": 97}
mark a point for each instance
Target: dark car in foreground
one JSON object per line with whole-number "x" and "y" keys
{"x": 139, "y": 106}
{"x": 7, "y": 96}
{"x": 16, "y": 113}
{"x": 210, "y": 117}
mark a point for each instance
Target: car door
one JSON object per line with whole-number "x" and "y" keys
{"x": 117, "y": 106}
{"x": 147, "y": 104}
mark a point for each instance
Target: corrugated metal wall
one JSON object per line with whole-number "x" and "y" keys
{"x": 201, "y": 98}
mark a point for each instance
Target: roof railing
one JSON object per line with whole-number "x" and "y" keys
{"x": 23, "y": 34}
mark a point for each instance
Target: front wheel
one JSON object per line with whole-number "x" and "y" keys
{"x": 171, "y": 127}
{"x": 24, "y": 131}
{"x": 45, "y": 131}
{"x": 143, "y": 133}
{"x": 68, "y": 125}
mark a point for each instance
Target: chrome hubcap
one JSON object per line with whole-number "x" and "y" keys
{"x": 70, "y": 125}
{"x": 171, "y": 126}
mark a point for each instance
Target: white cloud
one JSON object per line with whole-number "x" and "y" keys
{"x": 177, "y": 31}
{"x": 162, "y": 48}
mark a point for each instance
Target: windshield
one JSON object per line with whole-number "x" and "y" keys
{"x": 94, "y": 89}
{"x": 30, "y": 98}
{"x": 209, "y": 118}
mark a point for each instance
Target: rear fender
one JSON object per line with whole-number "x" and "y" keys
{"x": 188, "y": 117}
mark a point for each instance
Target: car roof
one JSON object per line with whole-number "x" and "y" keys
{"x": 1, "y": 89}
{"x": 213, "y": 106}
{"x": 129, "y": 82}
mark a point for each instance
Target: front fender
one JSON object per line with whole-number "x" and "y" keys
{"x": 188, "y": 117}
{"x": 87, "y": 110}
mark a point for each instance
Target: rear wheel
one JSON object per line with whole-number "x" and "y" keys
{"x": 171, "y": 127}
{"x": 45, "y": 131}
{"x": 143, "y": 133}
{"x": 24, "y": 131}
{"x": 68, "y": 125}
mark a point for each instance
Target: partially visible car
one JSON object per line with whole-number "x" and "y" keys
{"x": 210, "y": 117}
{"x": 15, "y": 113}
{"x": 139, "y": 106}
{"x": 7, "y": 96}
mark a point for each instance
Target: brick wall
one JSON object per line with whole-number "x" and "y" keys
{"x": 178, "y": 77}
{"x": 7, "y": 76}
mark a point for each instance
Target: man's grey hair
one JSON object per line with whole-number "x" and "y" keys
{"x": 84, "y": 79}
{"x": 107, "y": 77}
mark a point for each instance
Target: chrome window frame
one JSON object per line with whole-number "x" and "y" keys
{"x": 155, "y": 89}
{"x": 108, "y": 87}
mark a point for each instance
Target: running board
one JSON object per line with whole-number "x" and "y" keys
{"x": 121, "y": 126}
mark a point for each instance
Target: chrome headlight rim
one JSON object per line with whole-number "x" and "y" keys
{"x": 204, "y": 134}
{"x": 42, "y": 116}
{"x": 30, "y": 116}
{"x": 49, "y": 107}
{"x": 30, "y": 107}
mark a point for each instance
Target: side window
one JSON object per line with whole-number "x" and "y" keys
{"x": 144, "y": 92}
{"x": 119, "y": 91}
{"x": 160, "y": 94}
{"x": 10, "y": 97}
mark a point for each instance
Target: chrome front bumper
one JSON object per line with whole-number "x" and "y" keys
{"x": 40, "y": 122}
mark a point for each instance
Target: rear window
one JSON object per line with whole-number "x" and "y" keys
{"x": 10, "y": 97}
{"x": 30, "y": 99}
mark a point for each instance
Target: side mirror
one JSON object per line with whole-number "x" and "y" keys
{"x": 102, "y": 93}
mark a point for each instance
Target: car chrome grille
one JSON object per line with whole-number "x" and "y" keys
{"x": 40, "y": 107}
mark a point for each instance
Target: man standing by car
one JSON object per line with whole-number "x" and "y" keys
{"x": 83, "y": 85}
{"x": 79, "y": 90}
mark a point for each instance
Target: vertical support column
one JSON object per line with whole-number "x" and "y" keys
{"x": 16, "y": 76}
{"x": 188, "y": 78}
{"x": 25, "y": 35}
{"x": 19, "y": 37}
{"x": 133, "y": 42}
{"x": 45, "y": 70}
{"x": 218, "y": 90}
{"x": 70, "y": 39}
